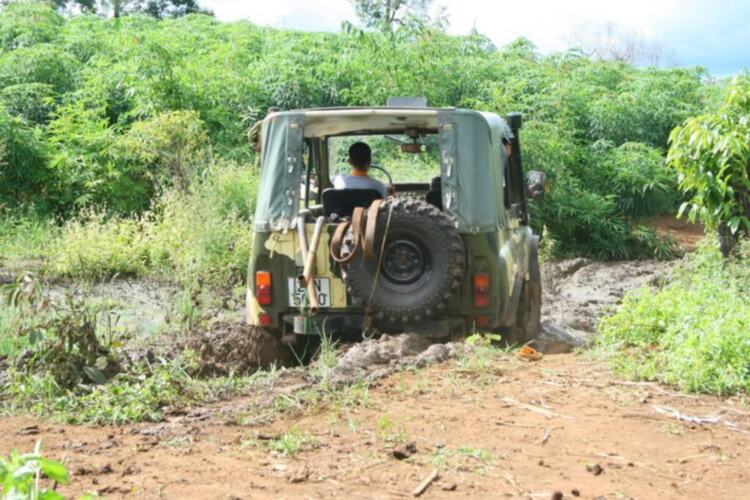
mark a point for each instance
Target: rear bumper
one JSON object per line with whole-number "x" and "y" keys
{"x": 327, "y": 323}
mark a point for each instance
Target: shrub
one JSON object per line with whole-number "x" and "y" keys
{"x": 96, "y": 247}
{"x": 206, "y": 232}
{"x": 24, "y": 173}
{"x": 165, "y": 149}
{"x": 692, "y": 332}
{"x": 711, "y": 153}
{"x": 42, "y": 63}
{"x": 31, "y": 101}
{"x": 203, "y": 232}
{"x": 636, "y": 175}
{"x": 25, "y": 23}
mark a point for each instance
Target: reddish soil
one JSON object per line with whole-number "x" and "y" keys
{"x": 686, "y": 234}
{"x": 513, "y": 428}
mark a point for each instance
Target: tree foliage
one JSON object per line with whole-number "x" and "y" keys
{"x": 95, "y": 103}
{"x": 711, "y": 153}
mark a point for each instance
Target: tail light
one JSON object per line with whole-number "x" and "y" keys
{"x": 481, "y": 290}
{"x": 263, "y": 288}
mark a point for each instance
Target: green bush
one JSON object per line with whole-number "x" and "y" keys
{"x": 636, "y": 175}
{"x": 27, "y": 23}
{"x": 711, "y": 153}
{"x": 24, "y": 172}
{"x": 113, "y": 112}
{"x": 207, "y": 232}
{"x": 93, "y": 246}
{"x": 203, "y": 232}
{"x": 693, "y": 332}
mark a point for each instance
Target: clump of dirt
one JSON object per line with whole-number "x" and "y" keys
{"x": 235, "y": 347}
{"x": 376, "y": 358}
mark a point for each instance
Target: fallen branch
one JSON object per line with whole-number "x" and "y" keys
{"x": 426, "y": 482}
{"x": 671, "y": 412}
{"x": 536, "y": 409}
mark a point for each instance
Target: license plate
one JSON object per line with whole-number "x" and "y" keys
{"x": 298, "y": 294}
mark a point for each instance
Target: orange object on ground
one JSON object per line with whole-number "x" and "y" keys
{"x": 529, "y": 354}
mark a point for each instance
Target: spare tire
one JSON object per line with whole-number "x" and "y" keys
{"x": 422, "y": 266}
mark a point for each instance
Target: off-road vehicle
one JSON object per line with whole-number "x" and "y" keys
{"x": 449, "y": 252}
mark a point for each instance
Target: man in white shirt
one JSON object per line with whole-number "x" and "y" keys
{"x": 360, "y": 157}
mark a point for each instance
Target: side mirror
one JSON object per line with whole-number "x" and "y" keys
{"x": 536, "y": 182}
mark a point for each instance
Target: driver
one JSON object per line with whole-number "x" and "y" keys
{"x": 360, "y": 157}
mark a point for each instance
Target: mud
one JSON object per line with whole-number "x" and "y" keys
{"x": 235, "y": 347}
{"x": 518, "y": 430}
{"x": 376, "y": 358}
{"x": 578, "y": 292}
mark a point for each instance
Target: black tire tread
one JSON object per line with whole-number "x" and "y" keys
{"x": 359, "y": 281}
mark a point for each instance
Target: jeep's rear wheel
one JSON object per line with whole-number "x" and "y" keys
{"x": 422, "y": 264}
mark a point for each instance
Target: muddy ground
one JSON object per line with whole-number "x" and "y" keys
{"x": 490, "y": 424}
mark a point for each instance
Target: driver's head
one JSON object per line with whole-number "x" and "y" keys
{"x": 360, "y": 156}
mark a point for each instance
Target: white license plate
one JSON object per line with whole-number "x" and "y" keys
{"x": 298, "y": 295}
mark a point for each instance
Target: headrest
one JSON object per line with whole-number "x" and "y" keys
{"x": 342, "y": 202}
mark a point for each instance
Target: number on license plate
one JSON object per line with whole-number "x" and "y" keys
{"x": 298, "y": 294}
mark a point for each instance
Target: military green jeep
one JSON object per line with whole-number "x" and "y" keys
{"x": 449, "y": 252}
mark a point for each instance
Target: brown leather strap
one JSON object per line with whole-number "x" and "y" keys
{"x": 372, "y": 225}
{"x": 363, "y": 224}
{"x": 338, "y": 238}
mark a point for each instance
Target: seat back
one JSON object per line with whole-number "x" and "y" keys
{"x": 342, "y": 202}
{"x": 435, "y": 194}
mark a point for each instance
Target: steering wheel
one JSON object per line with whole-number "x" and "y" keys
{"x": 378, "y": 167}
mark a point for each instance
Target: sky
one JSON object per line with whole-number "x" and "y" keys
{"x": 714, "y": 34}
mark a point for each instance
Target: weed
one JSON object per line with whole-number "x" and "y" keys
{"x": 21, "y": 475}
{"x": 326, "y": 357}
{"x": 389, "y": 432}
{"x": 483, "y": 355}
{"x": 291, "y": 443}
{"x": 63, "y": 338}
{"x": 23, "y": 237}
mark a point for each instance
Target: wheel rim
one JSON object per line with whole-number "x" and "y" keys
{"x": 404, "y": 262}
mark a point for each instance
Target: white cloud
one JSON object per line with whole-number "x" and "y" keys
{"x": 703, "y": 32}
{"x": 324, "y": 15}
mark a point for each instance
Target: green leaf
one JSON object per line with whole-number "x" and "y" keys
{"x": 95, "y": 374}
{"x": 54, "y": 470}
{"x": 734, "y": 224}
{"x": 50, "y": 495}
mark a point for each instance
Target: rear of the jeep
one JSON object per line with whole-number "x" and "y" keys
{"x": 448, "y": 253}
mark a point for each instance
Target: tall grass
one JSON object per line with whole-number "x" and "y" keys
{"x": 23, "y": 236}
{"x": 203, "y": 232}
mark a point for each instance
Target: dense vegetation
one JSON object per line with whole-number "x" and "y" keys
{"x": 693, "y": 331}
{"x": 711, "y": 152}
{"x": 119, "y": 124}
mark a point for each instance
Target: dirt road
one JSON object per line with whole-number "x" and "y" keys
{"x": 490, "y": 424}
{"x": 507, "y": 428}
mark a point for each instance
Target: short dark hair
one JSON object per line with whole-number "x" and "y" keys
{"x": 360, "y": 155}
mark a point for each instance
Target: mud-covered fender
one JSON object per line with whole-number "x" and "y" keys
{"x": 532, "y": 273}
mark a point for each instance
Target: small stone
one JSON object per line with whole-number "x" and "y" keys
{"x": 575, "y": 492}
{"x": 557, "y": 495}
{"x": 595, "y": 469}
